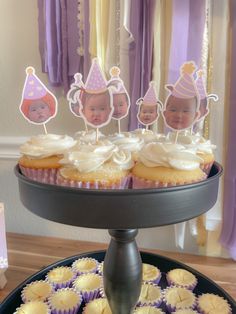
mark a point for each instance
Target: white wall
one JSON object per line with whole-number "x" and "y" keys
{"x": 19, "y": 48}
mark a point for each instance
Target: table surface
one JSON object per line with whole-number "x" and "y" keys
{"x": 28, "y": 254}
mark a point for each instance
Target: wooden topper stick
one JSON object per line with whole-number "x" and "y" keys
{"x": 176, "y": 136}
{"x": 119, "y": 126}
{"x": 45, "y": 129}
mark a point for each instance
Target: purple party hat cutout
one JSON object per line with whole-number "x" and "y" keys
{"x": 150, "y": 97}
{"x": 33, "y": 88}
{"x": 96, "y": 82}
{"x": 116, "y": 81}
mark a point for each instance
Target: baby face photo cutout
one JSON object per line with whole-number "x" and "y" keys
{"x": 38, "y": 105}
{"x": 181, "y": 109}
{"x": 148, "y": 107}
{"x": 121, "y": 100}
{"x": 74, "y": 93}
{"x": 94, "y": 99}
{"x": 204, "y": 98}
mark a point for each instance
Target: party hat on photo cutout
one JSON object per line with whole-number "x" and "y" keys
{"x": 200, "y": 84}
{"x": 38, "y": 105}
{"x": 96, "y": 82}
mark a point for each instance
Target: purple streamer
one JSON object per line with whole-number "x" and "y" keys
{"x": 228, "y": 233}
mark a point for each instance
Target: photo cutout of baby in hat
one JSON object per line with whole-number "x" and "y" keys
{"x": 148, "y": 111}
{"x": 204, "y": 98}
{"x": 181, "y": 108}
{"x": 93, "y": 99}
{"x": 38, "y": 105}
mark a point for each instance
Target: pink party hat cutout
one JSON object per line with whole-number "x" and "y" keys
{"x": 150, "y": 97}
{"x": 33, "y": 89}
{"x": 185, "y": 86}
{"x": 200, "y": 84}
{"x": 96, "y": 82}
{"x": 116, "y": 81}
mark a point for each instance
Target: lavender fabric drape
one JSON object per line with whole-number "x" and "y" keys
{"x": 188, "y": 21}
{"x": 228, "y": 233}
{"x": 140, "y": 53}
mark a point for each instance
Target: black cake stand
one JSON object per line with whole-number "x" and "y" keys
{"x": 122, "y": 212}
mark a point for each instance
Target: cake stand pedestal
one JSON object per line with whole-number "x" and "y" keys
{"x": 122, "y": 212}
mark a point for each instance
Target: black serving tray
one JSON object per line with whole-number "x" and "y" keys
{"x": 205, "y": 285}
{"x": 119, "y": 209}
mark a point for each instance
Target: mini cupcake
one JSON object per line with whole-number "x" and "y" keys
{"x": 41, "y": 155}
{"x": 33, "y": 307}
{"x": 148, "y": 310}
{"x": 37, "y": 291}
{"x": 61, "y": 277}
{"x": 165, "y": 164}
{"x": 97, "y": 306}
{"x": 150, "y": 295}
{"x": 98, "y": 166}
{"x": 88, "y": 285}
{"x": 178, "y": 298}
{"x": 186, "y": 311}
{"x": 181, "y": 278}
{"x": 85, "y": 265}
{"x": 65, "y": 301}
{"x": 151, "y": 273}
{"x": 212, "y": 304}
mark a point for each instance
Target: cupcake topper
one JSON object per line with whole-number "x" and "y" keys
{"x": 38, "y": 105}
{"x": 204, "y": 98}
{"x": 181, "y": 109}
{"x": 121, "y": 99}
{"x": 148, "y": 112}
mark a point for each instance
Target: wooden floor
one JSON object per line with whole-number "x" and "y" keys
{"x": 28, "y": 254}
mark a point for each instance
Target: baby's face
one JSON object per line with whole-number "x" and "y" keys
{"x": 120, "y": 106}
{"x": 97, "y": 109}
{"x": 39, "y": 112}
{"x": 147, "y": 114}
{"x": 180, "y": 113}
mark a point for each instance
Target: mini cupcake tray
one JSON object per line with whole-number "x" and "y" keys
{"x": 205, "y": 285}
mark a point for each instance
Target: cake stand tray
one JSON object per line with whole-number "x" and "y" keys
{"x": 205, "y": 285}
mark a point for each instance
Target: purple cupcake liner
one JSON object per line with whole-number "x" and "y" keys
{"x": 156, "y": 303}
{"x": 201, "y": 311}
{"x": 79, "y": 272}
{"x": 73, "y": 310}
{"x": 47, "y": 176}
{"x": 90, "y": 295}
{"x": 61, "y": 285}
{"x": 31, "y": 284}
{"x": 170, "y": 308}
{"x": 103, "y": 185}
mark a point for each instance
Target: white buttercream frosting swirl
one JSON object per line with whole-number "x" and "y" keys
{"x": 128, "y": 143}
{"x": 89, "y": 157}
{"x": 88, "y": 137}
{"x": 45, "y": 145}
{"x": 169, "y": 155}
{"x": 147, "y": 136}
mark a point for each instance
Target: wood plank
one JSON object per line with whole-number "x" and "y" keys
{"x": 28, "y": 254}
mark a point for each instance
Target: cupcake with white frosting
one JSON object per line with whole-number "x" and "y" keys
{"x": 208, "y": 303}
{"x": 96, "y": 166}
{"x": 151, "y": 273}
{"x": 39, "y": 290}
{"x": 150, "y": 294}
{"x": 97, "y": 306}
{"x": 166, "y": 164}
{"x": 33, "y": 307}
{"x": 41, "y": 155}
{"x": 178, "y": 298}
{"x": 181, "y": 278}
{"x": 65, "y": 301}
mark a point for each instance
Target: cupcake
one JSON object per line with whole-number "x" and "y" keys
{"x": 186, "y": 311}
{"x": 85, "y": 265}
{"x": 181, "y": 278}
{"x": 65, "y": 301}
{"x": 37, "y": 291}
{"x": 151, "y": 273}
{"x": 97, "y": 306}
{"x": 33, "y": 307}
{"x": 41, "y": 155}
{"x": 98, "y": 166}
{"x": 165, "y": 164}
{"x": 150, "y": 295}
{"x": 148, "y": 310}
{"x": 178, "y": 298}
{"x": 212, "y": 304}
{"x": 61, "y": 277}
{"x": 88, "y": 285}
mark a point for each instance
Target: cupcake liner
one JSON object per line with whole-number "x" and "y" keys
{"x": 140, "y": 183}
{"x": 100, "y": 268}
{"x": 80, "y": 272}
{"x": 201, "y": 311}
{"x": 122, "y": 184}
{"x": 40, "y": 175}
{"x": 206, "y": 168}
{"x": 171, "y": 308}
{"x": 156, "y": 303}
{"x": 88, "y": 294}
{"x": 187, "y": 286}
{"x": 61, "y": 285}
{"x": 73, "y": 310}
{"x": 23, "y": 297}
{"x": 22, "y": 306}
{"x": 156, "y": 280}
